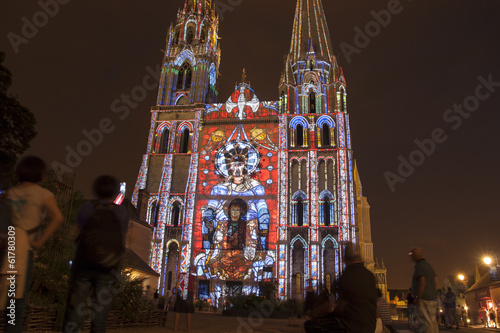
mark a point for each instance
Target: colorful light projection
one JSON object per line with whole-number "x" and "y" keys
{"x": 235, "y": 215}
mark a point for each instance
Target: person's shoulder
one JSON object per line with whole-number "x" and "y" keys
{"x": 43, "y": 191}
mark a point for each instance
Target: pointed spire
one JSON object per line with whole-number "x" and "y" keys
{"x": 357, "y": 180}
{"x": 310, "y": 32}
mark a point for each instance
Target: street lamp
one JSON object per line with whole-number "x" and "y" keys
{"x": 461, "y": 277}
{"x": 487, "y": 260}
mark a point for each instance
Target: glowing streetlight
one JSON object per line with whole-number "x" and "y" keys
{"x": 461, "y": 277}
{"x": 487, "y": 260}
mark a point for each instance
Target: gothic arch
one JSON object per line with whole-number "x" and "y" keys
{"x": 181, "y": 100}
{"x": 190, "y": 29}
{"x": 162, "y": 138}
{"x": 184, "y": 131}
{"x": 152, "y": 212}
{"x": 298, "y": 265}
{"x": 185, "y": 76}
{"x": 325, "y": 131}
{"x": 186, "y": 55}
{"x": 326, "y": 209}
{"x": 299, "y": 209}
{"x": 330, "y": 258}
{"x": 298, "y": 128}
{"x": 312, "y": 101}
{"x": 175, "y": 209}
{"x": 299, "y": 120}
{"x": 171, "y": 268}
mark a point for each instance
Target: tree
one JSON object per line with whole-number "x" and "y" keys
{"x": 17, "y": 128}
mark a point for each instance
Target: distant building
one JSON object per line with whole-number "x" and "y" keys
{"x": 365, "y": 237}
{"x": 484, "y": 293}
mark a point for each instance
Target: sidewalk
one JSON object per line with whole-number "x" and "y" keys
{"x": 208, "y": 322}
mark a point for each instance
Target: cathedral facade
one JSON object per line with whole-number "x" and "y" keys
{"x": 247, "y": 191}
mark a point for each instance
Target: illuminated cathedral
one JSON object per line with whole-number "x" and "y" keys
{"x": 245, "y": 191}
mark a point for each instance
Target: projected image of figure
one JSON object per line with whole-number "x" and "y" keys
{"x": 235, "y": 230}
{"x": 236, "y": 226}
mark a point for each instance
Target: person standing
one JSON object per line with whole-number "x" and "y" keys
{"x": 450, "y": 308}
{"x": 412, "y": 309}
{"x": 30, "y": 203}
{"x": 100, "y": 245}
{"x": 310, "y": 297}
{"x": 493, "y": 320}
{"x": 424, "y": 286}
{"x": 384, "y": 312}
{"x": 156, "y": 295}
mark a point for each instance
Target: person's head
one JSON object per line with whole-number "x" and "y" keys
{"x": 352, "y": 254}
{"x": 234, "y": 212}
{"x": 416, "y": 254}
{"x": 31, "y": 169}
{"x": 106, "y": 187}
{"x": 449, "y": 288}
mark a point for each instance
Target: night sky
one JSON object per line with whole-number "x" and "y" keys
{"x": 405, "y": 83}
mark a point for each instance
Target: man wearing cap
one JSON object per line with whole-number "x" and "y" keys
{"x": 356, "y": 307}
{"x": 424, "y": 285}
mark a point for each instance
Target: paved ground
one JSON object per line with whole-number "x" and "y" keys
{"x": 213, "y": 323}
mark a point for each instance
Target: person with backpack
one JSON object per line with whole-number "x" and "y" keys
{"x": 28, "y": 204}
{"x": 100, "y": 246}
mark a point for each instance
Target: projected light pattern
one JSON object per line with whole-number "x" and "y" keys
{"x": 252, "y": 185}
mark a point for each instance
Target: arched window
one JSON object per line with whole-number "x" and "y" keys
{"x": 300, "y": 212}
{"x": 163, "y": 147}
{"x": 184, "y": 142}
{"x": 190, "y": 35}
{"x": 153, "y": 214}
{"x": 311, "y": 65}
{"x": 176, "y": 214}
{"x": 325, "y": 135}
{"x": 300, "y": 136}
{"x": 326, "y": 212}
{"x": 176, "y": 38}
{"x": 342, "y": 100}
{"x": 184, "y": 77}
{"x": 312, "y": 102}
{"x": 189, "y": 75}
{"x": 180, "y": 80}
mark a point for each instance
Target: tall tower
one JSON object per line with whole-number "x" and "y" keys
{"x": 166, "y": 184}
{"x": 247, "y": 191}
{"x": 320, "y": 191}
{"x": 191, "y": 61}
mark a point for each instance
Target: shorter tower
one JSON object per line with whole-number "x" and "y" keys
{"x": 365, "y": 237}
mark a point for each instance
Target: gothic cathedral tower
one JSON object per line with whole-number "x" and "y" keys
{"x": 246, "y": 191}
{"x": 318, "y": 185}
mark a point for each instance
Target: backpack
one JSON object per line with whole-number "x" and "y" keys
{"x": 6, "y": 215}
{"x": 100, "y": 243}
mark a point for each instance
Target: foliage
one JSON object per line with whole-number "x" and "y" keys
{"x": 51, "y": 270}
{"x": 17, "y": 128}
{"x": 130, "y": 300}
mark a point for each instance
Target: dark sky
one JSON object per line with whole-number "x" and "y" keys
{"x": 400, "y": 85}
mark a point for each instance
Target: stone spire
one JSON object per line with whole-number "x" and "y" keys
{"x": 310, "y": 33}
